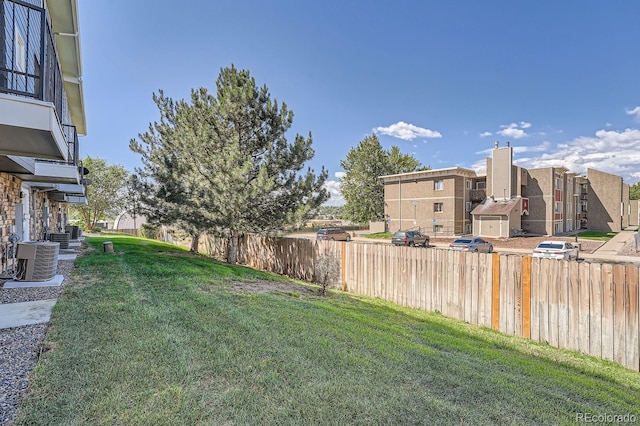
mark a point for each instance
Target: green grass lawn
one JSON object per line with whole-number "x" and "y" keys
{"x": 153, "y": 335}
{"x": 379, "y": 235}
{"x": 597, "y": 235}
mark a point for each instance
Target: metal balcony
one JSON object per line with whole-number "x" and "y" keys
{"x": 477, "y": 194}
{"x": 33, "y": 100}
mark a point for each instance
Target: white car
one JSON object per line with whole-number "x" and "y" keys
{"x": 556, "y": 250}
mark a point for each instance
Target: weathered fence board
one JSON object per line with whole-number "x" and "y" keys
{"x": 584, "y": 308}
{"x": 573, "y": 307}
{"x": 620, "y": 290}
{"x": 632, "y": 319}
{"x": 563, "y": 300}
{"x": 607, "y": 311}
{"x": 595, "y": 309}
{"x": 588, "y": 307}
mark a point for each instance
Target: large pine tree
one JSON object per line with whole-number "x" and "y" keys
{"x": 361, "y": 187}
{"x": 222, "y": 164}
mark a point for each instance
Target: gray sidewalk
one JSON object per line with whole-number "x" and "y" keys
{"x": 617, "y": 243}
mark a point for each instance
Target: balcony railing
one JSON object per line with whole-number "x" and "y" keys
{"x": 73, "y": 147}
{"x": 29, "y": 63}
{"x": 477, "y": 194}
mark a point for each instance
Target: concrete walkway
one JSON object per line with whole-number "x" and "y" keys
{"x": 617, "y": 243}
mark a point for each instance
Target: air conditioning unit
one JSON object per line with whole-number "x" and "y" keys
{"x": 75, "y": 231}
{"x": 62, "y": 238}
{"x": 37, "y": 261}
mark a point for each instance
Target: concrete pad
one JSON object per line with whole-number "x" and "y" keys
{"x": 67, "y": 256}
{"x": 25, "y": 313}
{"x": 74, "y": 244}
{"x": 67, "y": 251}
{"x": 56, "y": 281}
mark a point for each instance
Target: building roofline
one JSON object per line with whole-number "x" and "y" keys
{"x": 455, "y": 171}
{"x": 65, "y": 23}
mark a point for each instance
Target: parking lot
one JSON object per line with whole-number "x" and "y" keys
{"x": 590, "y": 250}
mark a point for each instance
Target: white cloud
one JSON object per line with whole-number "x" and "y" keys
{"x": 406, "y": 131}
{"x": 339, "y": 175}
{"x": 616, "y": 152}
{"x": 480, "y": 167}
{"x": 514, "y": 130}
{"x": 333, "y": 186}
{"x": 513, "y": 133}
{"x": 635, "y": 112}
{"x": 485, "y": 134}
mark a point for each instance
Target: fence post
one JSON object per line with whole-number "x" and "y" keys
{"x": 495, "y": 299}
{"x": 526, "y": 297}
{"x": 343, "y": 265}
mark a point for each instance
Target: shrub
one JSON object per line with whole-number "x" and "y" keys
{"x": 152, "y": 232}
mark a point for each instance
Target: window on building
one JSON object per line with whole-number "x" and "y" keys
{"x": 558, "y": 182}
{"x": 438, "y": 207}
{"x": 481, "y": 185}
{"x": 468, "y": 184}
{"x": 438, "y": 185}
{"x": 468, "y": 206}
{"x": 557, "y": 228}
{"x": 558, "y": 208}
{"x": 438, "y": 229}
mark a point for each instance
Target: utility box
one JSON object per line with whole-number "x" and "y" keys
{"x": 107, "y": 247}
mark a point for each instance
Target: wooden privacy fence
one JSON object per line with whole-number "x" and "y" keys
{"x": 586, "y": 307}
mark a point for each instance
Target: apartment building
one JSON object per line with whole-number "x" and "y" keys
{"x": 508, "y": 200}
{"x": 438, "y": 202}
{"x": 553, "y": 200}
{"x": 41, "y": 115}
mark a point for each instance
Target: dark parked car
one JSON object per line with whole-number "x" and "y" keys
{"x": 471, "y": 244}
{"x": 410, "y": 238}
{"x": 334, "y": 234}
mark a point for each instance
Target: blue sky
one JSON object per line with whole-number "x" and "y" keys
{"x": 442, "y": 80}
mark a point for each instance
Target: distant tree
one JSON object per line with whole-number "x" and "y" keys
{"x": 328, "y": 212}
{"x": 104, "y": 194}
{"x": 634, "y": 191}
{"x": 361, "y": 186}
{"x": 222, "y": 164}
{"x": 133, "y": 198}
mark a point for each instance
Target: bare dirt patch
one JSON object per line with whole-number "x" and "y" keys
{"x": 267, "y": 286}
{"x": 179, "y": 254}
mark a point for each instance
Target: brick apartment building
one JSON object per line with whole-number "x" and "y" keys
{"x": 438, "y": 202}
{"x": 546, "y": 201}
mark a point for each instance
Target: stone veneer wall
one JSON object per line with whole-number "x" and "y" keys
{"x": 10, "y": 188}
{"x": 9, "y": 197}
